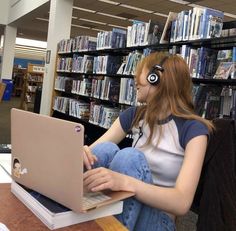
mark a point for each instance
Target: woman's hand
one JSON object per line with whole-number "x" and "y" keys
{"x": 89, "y": 158}
{"x": 102, "y": 178}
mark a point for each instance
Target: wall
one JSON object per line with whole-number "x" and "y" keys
{"x": 19, "y": 8}
{"x": 4, "y": 9}
{"x": 24, "y": 62}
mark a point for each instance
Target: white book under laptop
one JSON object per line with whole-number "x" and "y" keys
{"x": 54, "y": 216}
{"x": 47, "y": 157}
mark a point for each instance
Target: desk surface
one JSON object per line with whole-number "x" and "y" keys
{"x": 17, "y": 217}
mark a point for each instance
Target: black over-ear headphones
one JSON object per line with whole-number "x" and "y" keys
{"x": 153, "y": 76}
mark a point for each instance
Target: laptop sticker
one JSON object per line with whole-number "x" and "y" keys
{"x": 77, "y": 128}
{"x": 17, "y": 172}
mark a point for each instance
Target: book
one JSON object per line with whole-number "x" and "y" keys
{"x": 211, "y": 23}
{"x": 5, "y": 148}
{"x": 55, "y": 215}
{"x": 223, "y": 71}
{"x": 3, "y": 227}
{"x": 153, "y": 33}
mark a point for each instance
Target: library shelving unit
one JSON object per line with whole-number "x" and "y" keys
{"x": 32, "y": 80}
{"x": 92, "y": 96}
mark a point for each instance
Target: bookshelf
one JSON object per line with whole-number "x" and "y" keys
{"x": 83, "y": 94}
{"x": 33, "y": 79}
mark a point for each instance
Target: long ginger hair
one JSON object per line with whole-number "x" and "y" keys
{"x": 173, "y": 94}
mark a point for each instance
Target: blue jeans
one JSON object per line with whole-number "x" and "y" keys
{"x": 129, "y": 161}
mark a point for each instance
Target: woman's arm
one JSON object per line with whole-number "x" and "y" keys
{"x": 114, "y": 134}
{"x": 175, "y": 200}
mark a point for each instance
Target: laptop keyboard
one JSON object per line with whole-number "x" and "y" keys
{"x": 91, "y": 199}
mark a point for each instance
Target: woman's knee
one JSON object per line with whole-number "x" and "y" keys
{"x": 105, "y": 153}
{"x": 129, "y": 156}
{"x": 105, "y": 148}
{"x": 132, "y": 162}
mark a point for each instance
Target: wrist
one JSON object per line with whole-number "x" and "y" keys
{"x": 130, "y": 184}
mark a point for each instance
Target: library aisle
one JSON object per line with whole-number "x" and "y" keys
{"x": 5, "y": 118}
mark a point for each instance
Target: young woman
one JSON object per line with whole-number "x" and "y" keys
{"x": 163, "y": 166}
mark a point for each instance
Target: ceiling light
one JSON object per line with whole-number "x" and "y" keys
{"x": 88, "y": 20}
{"x": 110, "y": 2}
{"x": 96, "y": 29}
{"x": 230, "y": 15}
{"x": 110, "y": 15}
{"x": 117, "y": 26}
{"x": 136, "y": 8}
{"x": 84, "y": 9}
{"x": 160, "y": 14}
{"x": 31, "y": 42}
{"x": 43, "y": 19}
{"x": 180, "y": 2}
{"x": 84, "y": 27}
{"x": 195, "y": 5}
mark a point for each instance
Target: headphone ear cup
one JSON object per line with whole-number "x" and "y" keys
{"x": 153, "y": 78}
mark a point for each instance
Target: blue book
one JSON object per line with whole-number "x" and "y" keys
{"x": 234, "y": 55}
{"x": 207, "y": 15}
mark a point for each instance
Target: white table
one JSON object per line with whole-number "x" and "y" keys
{"x": 5, "y": 168}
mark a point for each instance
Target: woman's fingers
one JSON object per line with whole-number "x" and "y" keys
{"x": 89, "y": 158}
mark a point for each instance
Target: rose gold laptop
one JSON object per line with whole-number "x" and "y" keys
{"x": 47, "y": 156}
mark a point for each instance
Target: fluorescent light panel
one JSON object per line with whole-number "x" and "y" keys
{"x": 195, "y": 5}
{"x": 160, "y": 14}
{"x": 43, "y": 19}
{"x": 96, "y": 29}
{"x": 84, "y": 9}
{"x": 84, "y": 27}
{"x": 136, "y": 8}
{"x": 180, "y": 2}
{"x": 88, "y": 20}
{"x": 230, "y": 15}
{"x": 117, "y": 26}
{"x": 110, "y": 15}
{"x": 31, "y": 42}
{"x": 110, "y": 2}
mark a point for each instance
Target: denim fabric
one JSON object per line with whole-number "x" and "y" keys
{"x": 129, "y": 161}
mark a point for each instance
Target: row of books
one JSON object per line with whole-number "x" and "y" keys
{"x": 103, "y": 115}
{"x": 82, "y": 87}
{"x": 115, "y": 90}
{"x": 96, "y": 113}
{"x": 139, "y": 34}
{"x": 143, "y": 33}
{"x": 209, "y": 63}
{"x": 210, "y": 102}
{"x": 82, "y": 64}
{"x": 79, "y": 109}
{"x": 214, "y": 101}
{"x": 124, "y": 65}
{"x": 228, "y": 32}
{"x": 35, "y": 78}
{"x": 61, "y": 104}
{"x": 111, "y": 39}
{"x": 64, "y": 64}
{"x": 197, "y": 23}
{"x": 79, "y": 43}
{"x": 128, "y": 67}
{"x": 106, "y": 64}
